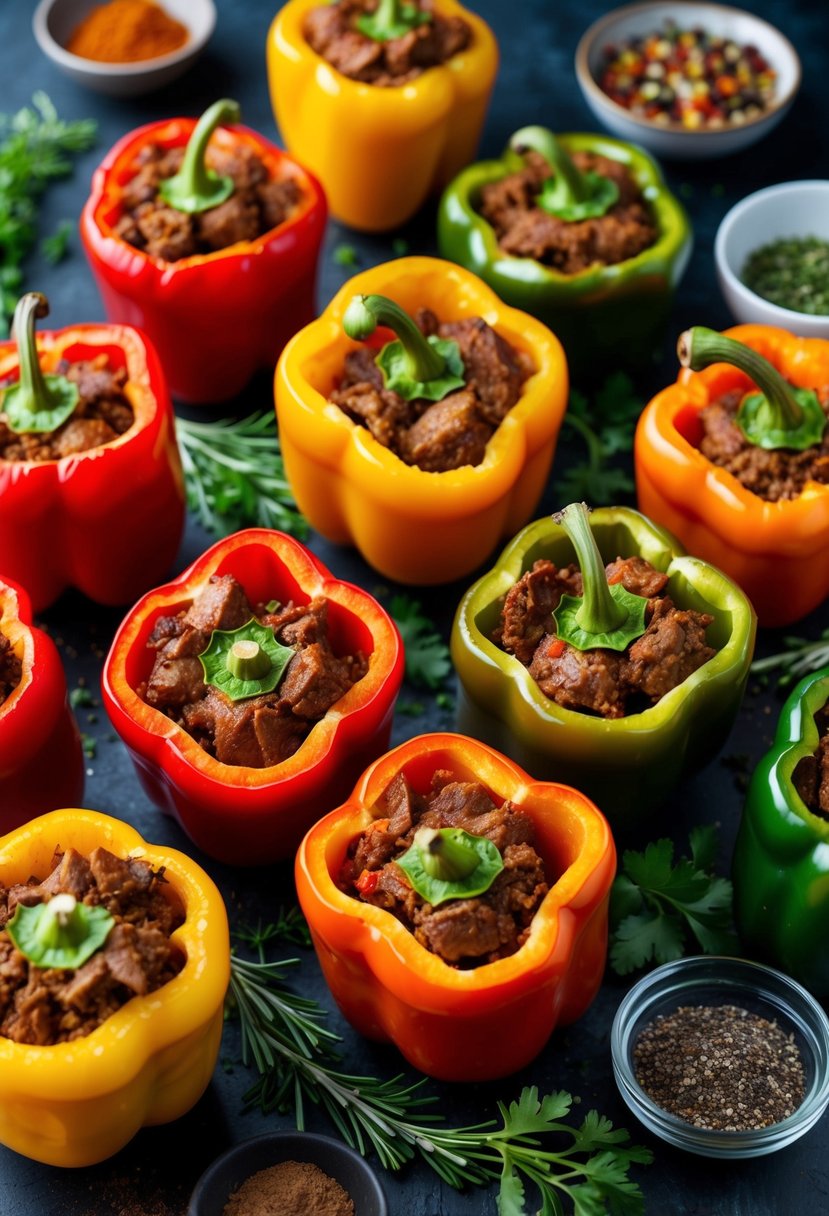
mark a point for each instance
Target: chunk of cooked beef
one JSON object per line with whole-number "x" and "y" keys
{"x": 448, "y": 435}
{"x": 636, "y": 575}
{"x": 672, "y": 647}
{"x": 495, "y": 372}
{"x": 527, "y": 614}
{"x": 579, "y": 679}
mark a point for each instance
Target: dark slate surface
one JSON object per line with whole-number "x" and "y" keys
{"x": 153, "y": 1176}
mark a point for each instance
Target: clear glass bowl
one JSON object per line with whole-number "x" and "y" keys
{"x": 707, "y": 980}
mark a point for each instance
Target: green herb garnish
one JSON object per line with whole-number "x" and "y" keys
{"x": 61, "y": 933}
{"x": 449, "y": 863}
{"x": 36, "y": 404}
{"x": 414, "y": 366}
{"x": 606, "y": 424}
{"x": 428, "y": 661}
{"x": 570, "y": 194}
{"x": 80, "y": 697}
{"x": 346, "y": 255}
{"x": 800, "y": 657}
{"x": 195, "y": 188}
{"x": 245, "y": 662}
{"x": 792, "y": 272}
{"x": 54, "y": 248}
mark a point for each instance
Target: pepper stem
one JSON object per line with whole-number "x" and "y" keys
{"x": 32, "y": 383}
{"x": 391, "y": 19}
{"x": 541, "y": 140}
{"x": 421, "y": 360}
{"x": 599, "y": 612}
{"x": 196, "y": 188}
{"x": 246, "y": 660}
{"x": 698, "y": 347}
{"x": 57, "y": 922}
{"x": 444, "y": 857}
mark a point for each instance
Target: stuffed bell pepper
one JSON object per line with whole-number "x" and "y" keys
{"x": 91, "y": 492}
{"x": 459, "y": 908}
{"x": 734, "y": 459}
{"x": 780, "y": 868}
{"x": 205, "y": 235}
{"x": 385, "y": 106}
{"x": 116, "y": 961}
{"x": 446, "y": 432}
{"x": 579, "y": 230}
{"x": 41, "y": 757}
{"x": 250, "y": 691}
{"x": 596, "y": 653}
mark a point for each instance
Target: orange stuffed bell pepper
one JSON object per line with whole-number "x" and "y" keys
{"x": 379, "y": 151}
{"x": 775, "y": 550}
{"x": 472, "y": 1023}
{"x": 77, "y": 1102}
{"x": 355, "y": 490}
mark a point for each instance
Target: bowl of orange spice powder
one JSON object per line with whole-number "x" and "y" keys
{"x": 123, "y": 47}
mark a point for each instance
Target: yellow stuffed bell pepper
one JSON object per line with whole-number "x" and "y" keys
{"x": 417, "y": 527}
{"x": 76, "y": 1103}
{"x": 379, "y": 151}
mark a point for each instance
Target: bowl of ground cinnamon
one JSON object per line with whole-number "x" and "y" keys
{"x": 286, "y": 1173}
{"x": 123, "y": 47}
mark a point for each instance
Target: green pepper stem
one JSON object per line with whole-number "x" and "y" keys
{"x": 387, "y": 15}
{"x": 599, "y": 612}
{"x": 365, "y": 313}
{"x": 698, "y": 347}
{"x": 195, "y": 187}
{"x": 541, "y": 140}
{"x": 444, "y": 857}
{"x": 246, "y": 660}
{"x": 31, "y": 307}
{"x": 56, "y": 924}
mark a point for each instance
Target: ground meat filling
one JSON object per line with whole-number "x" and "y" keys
{"x": 437, "y": 436}
{"x": 608, "y": 683}
{"x": 811, "y": 775}
{"x": 569, "y": 246}
{"x": 258, "y": 731}
{"x": 463, "y": 932}
{"x": 102, "y": 414}
{"x": 772, "y": 475}
{"x": 11, "y": 669}
{"x": 257, "y": 204}
{"x": 50, "y": 1006}
{"x": 331, "y": 32}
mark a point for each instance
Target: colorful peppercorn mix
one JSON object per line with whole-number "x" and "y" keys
{"x": 690, "y": 77}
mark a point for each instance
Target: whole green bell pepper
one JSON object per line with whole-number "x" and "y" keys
{"x": 627, "y": 765}
{"x": 781, "y": 857}
{"x": 605, "y": 315}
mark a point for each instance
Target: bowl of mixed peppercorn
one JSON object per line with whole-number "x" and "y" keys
{"x": 687, "y": 80}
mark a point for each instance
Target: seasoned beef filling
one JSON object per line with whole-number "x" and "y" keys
{"x": 257, "y": 204}
{"x": 772, "y": 475}
{"x": 811, "y": 775}
{"x": 263, "y": 730}
{"x": 11, "y": 669}
{"x": 50, "y": 1006}
{"x": 102, "y": 414}
{"x": 569, "y": 246}
{"x": 438, "y": 435}
{"x": 464, "y": 932}
{"x": 609, "y": 683}
{"x": 331, "y": 32}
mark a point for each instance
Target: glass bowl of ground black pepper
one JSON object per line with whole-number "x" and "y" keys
{"x": 288, "y": 1174}
{"x": 722, "y": 1057}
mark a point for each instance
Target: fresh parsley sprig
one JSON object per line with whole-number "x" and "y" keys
{"x": 428, "y": 662}
{"x": 800, "y": 657}
{"x": 234, "y": 475}
{"x": 606, "y": 425}
{"x": 656, "y": 905}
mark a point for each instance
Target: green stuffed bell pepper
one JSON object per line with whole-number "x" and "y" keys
{"x": 781, "y": 857}
{"x": 629, "y": 761}
{"x": 598, "y": 248}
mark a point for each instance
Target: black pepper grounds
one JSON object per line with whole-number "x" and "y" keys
{"x": 720, "y": 1067}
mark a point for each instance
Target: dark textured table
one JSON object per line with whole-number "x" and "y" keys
{"x": 153, "y": 1176}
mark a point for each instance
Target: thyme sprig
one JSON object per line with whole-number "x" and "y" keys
{"x": 800, "y": 657}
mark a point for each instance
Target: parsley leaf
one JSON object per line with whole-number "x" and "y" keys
{"x": 656, "y": 905}
{"x": 427, "y": 655}
{"x": 799, "y": 657}
{"x": 606, "y": 425}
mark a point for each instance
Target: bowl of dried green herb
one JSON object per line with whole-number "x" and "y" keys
{"x": 722, "y": 1057}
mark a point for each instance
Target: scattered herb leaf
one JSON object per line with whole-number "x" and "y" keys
{"x": 290, "y": 926}
{"x": 399, "y": 246}
{"x": 346, "y": 255}
{"x": 445, "y": 700}
{"x": 55, "y": 247}
{"x": 800, "y": 657}
{"x": 606, "y": 424}
{"x": 427, "y": 655}
{"x": 80, "y": 697}
{"x": 411, "y": 709}
{"x": 89, "y": 745}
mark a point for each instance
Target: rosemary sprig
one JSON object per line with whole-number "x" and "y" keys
{"x": 234, "y": 475}
{"x": 799, "y": 657}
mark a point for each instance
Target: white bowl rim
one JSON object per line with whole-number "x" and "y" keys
{"x": 789, "y": 316}
{"x": 96, "y": 67}
{"x": 589, "y": 83}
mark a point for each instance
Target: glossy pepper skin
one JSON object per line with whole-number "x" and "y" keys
{"x": 379, "y": 152}
{"x": 41, "y": 757}
{"x": 107, "y": 521}
{"x": 77, "y": 1103}
{"x": 215, "y": 318}
{"x": 354, "y": 490}
{"x": 780, "y": 868}
{"x": 604, "y": 315}
{"x": 776, "y": 551}
{"x": 252, "y": 816}
{"x": 488, "y": 1021}
{"x": 627, "y": 765}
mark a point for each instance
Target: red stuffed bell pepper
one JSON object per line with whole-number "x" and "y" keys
{"x": 41, "y": 758}
{"x": 231, "y": 800}
{"x": 81, "y": 505}
{"x": 216, "y": 317}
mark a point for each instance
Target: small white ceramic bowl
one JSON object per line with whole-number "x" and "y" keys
{"x": 673, "y": 140}
{"x": 55, "y": 21}
{"x": 792, "y": 209}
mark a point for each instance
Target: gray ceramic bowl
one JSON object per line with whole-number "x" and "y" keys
{"x": 228, "y": 1172}
{"x": 55, "y": 21}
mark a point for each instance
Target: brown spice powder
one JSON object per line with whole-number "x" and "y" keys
{"x": 288, "y": 1189}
